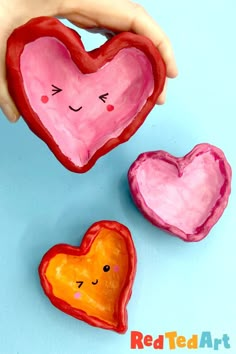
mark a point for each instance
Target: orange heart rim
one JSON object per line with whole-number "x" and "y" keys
{"x": 103, "y": 293}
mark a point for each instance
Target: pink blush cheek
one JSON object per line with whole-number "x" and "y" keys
{"x": 44, "y": 99}
{"x": 110, "y": 108}
{"x": 116, "y": 268}
{"x": 77, "y": 296}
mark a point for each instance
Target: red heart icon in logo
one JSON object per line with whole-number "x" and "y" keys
{"x": 185, "y": 196}
{"x": 82, "y": 104}
{"x": 93, "y": 282}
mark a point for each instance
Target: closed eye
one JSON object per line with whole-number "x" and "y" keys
{"x": 55, "y": 90}
{"x": 103, "y": 97}
{"x": 80, "y": 283}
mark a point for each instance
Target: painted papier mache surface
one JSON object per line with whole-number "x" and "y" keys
{"x": 184, "y": 196}
{"x": 93, "y": 282}
{"x": 82, "y": 104}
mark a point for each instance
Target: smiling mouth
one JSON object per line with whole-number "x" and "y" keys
{"x": 74, "y": 109}
{"x": 95, "y": 282}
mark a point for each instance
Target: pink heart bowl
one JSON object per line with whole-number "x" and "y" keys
{"x": 184, "y": 196}
{"x": 82, "y": 104}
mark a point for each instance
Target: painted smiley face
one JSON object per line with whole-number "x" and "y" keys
{"x": 106, "y": 269}
{"x": 55, "y": 90}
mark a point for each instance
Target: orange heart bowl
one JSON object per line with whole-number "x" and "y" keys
{"x": 93, "y": 282}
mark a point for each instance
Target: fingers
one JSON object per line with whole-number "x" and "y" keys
{"x": 162, "y": 98}
{"x": 103, "y": 31}
{"x": 122, "y": 15}
{"x": 142, "y": 23}
{"x": 6, "y": 103}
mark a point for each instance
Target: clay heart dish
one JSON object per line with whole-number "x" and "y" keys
{"x": 82, "y": 104}
{"x": 184, "y": 196}
{"x": 93, "y": 282}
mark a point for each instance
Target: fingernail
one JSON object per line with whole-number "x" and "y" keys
{"x": 11, "y": 115}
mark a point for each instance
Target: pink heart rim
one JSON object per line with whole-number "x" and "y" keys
{"x": 180, "y": 163}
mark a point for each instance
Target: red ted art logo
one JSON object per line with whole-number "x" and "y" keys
{"x": 171, "y": 340}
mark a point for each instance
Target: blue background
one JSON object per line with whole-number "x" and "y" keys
{"x": 184, "y": 287}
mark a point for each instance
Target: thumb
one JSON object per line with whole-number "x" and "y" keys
{"x": 6, "y": 103}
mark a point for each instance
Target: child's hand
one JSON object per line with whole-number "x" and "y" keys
{"x": 117, "y": 16}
